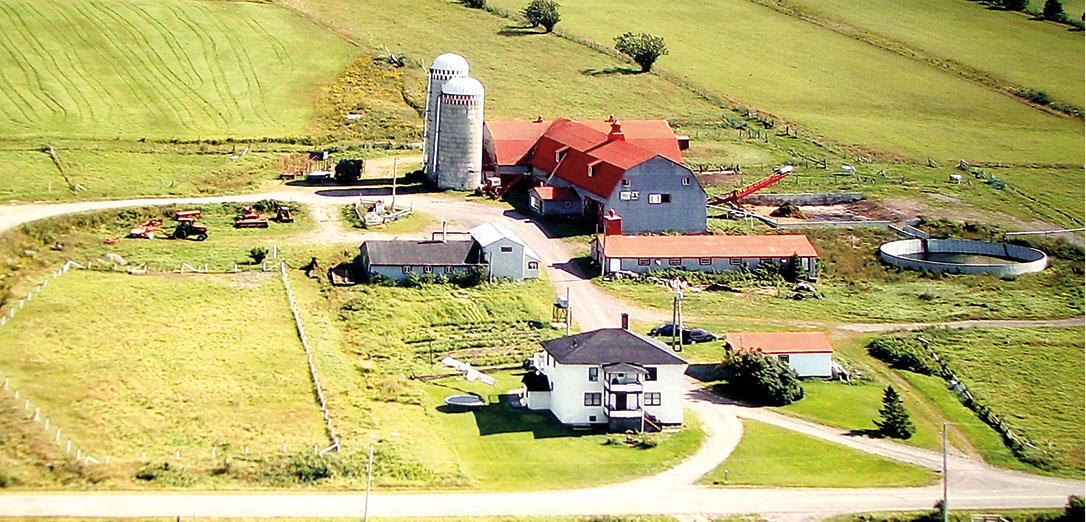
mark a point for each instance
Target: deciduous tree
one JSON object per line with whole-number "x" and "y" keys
{"x": 643, "y": 48}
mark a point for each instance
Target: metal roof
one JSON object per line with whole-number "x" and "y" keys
{"x": 780, "y": 342}
{"x": 699, "y": 246}
{"x": 399, "y": 252}
{"x": 463, "y": 86}
{"x": 450, "y": 62}
{"x": 489, "y": 232}
{"x": 610, "y": 346}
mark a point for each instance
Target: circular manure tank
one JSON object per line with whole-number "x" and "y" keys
{"x": 963, "y": 256}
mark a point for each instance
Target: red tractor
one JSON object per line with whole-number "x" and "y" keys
{"x": 186, "y": 229}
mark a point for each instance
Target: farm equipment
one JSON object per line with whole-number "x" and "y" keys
{"x": 284, "y": 215}
{"x": 188, "y": 215}
{"x": 147, "y": 229}
{"x": 249, "y": 218}
{"x": 734, "y": 196}
{"x": 186, "y": 229}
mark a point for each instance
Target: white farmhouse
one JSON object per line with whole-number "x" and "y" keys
{"x": 810, "y": 354}
{"x": 609, "y": 376}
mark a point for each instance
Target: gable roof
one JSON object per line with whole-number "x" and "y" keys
{"x": 610, "y": 346}
{"x": 552, "y": 193}
{"x": 416, "y": 252}
{"x": 489, "y": 232}
{"x": 513, "y": 141}
{"x": 767, "y": 245}
{"x": 780, "y": 342}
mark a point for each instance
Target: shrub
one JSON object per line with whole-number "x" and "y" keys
{"x": 903, "y": 353}
{"x": 760, "y": 378}
{"x": 6, "y": 479}
{"x": 164, "y": 474}
{"x": 257, "y": 254}
{"x": 474, "y": 4}
{"x": 473, "y": 276}
{"x": 1014, "y": 5}
{"x": 348, "y": 171}
{"x": 542, "y": 12}
{"x": 642, "y": 48}
{"x": 893, "y": 420}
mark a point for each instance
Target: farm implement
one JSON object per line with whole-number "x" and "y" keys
{"x": 249, "y": 218}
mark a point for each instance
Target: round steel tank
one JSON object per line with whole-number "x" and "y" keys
{"x": 444, "y": 68}
{"x": 459, "y": 137}
{"x": 963, "y": 256}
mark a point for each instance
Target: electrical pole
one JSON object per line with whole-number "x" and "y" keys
{"x": 946, "y": 509}
{"x": 569, "y": 312}
{"x": 393, "y": 209}
{"x": 369, "y": 481}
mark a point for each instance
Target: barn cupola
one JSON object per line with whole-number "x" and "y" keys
{"x": 616, "y": 132}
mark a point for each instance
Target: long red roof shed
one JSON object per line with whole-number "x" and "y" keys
{"x": 768, "y": 245}
{"x": 780, "y": 342}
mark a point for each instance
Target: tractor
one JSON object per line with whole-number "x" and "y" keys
{"x": 186, "y": 229}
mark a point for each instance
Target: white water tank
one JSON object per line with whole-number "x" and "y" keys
{"x": 459, "y": 135}
{"x": 444, "y": 68}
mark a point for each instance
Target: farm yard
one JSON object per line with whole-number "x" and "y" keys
{"x": 180, "y": 365}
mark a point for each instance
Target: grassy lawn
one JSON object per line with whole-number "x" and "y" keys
{"x": 112, "y": 69}
{"x": 1011, "y": 515}
{"x": 157, "y": 364}
{"x": 832, "y": 83}
{"x": 1042, "y": 56}
{"x": 417, "y": 223}
{"x": 506, "y": 449}
{"x": 551, "y": 77}
{"x": 772, "y": 456}
{"x": 1031, "y": 377}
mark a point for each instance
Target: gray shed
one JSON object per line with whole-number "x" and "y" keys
{"x": 508, "y": 256}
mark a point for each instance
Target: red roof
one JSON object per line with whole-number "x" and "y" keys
{"x": 513, "y": 140}
{"x": 548, "y": 193}
{"x": 780, "y": 342}
{"x": 770, "y": 245}
{"x": 653, "y": 135}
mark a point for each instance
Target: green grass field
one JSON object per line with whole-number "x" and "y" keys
{"x": 133, "y": 69}
{"x": 1033, "y": 378}
{"x": 1043, "y": 56}
{"x": 772, "y": 456}
{"x": 834, "y": 84}
{"x": 156, "y": 364}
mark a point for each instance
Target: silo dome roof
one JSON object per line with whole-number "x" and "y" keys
{"x": 464, "y": 85}
{"x": 450, "y": 62}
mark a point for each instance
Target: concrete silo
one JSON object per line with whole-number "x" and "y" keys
{"x": 459, "y": 135}
{"x": 444, "y": 68}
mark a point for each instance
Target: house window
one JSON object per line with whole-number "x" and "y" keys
{"x": 591, "y": 418}
{"x": 652, "y": 374}
{"x": 567, "y": 204}
{"x": 783, "y": 358}
{"x": 625, "y": 182}
{"x": 593, "y": 374}
{"x": 590, "y": 171}
{"x": 593, "y": 399}
{"x": 533, "y": 265}
{"x": 652, "y": 399}
{"x": 736, "y": 261}
{"x": 428, "y": 269}
{"x": 655, "y": 199}
{"x": 507, "y": 249}
{"x": 765, "y": 260}
{"x": 635, "y": 195}
{"x": 674, "y": 262}
{"x": 558, "y": 156}
{"x": 449, "y": 269}
{"x": 686, "y": 180}
{"x": 643, "y": 262}
{"x": 406, "y": 269}
{"x": 705, "y": 261}
{"x": 624, "y": 196}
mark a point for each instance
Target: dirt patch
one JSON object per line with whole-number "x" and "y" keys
{"x": 788, "y": 210}
{"x": 719, "y": 178}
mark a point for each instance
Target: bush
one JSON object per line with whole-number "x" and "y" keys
{"x": 348, "y": 171}
{"x": 893, "y": 420}
{"x": 904, "y": 354}
{"x": 6, "y": 479}
{"x": 257, "y": 254}
{"x": 542, "y": 12}
{"x": 164, "y": 474}
{"x": 761, "y": 378}
{"x": 1014, "y": 5}
{"x": 1053, "y": 10}
{"x": 474, "y": 4}
{"x": 643, "y": 48}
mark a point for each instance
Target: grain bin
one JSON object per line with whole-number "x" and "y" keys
{"x": 444, "y": 68}
{"x": 459, "y": 137}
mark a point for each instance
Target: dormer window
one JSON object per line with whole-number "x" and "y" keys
{"x": 592, "y": 168}
{"x": 560, "y": 154}
{"x": 590, "y": 171}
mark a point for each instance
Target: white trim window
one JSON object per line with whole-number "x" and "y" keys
{"x": 593, "y": 399}
{"x": 652, "y": 399}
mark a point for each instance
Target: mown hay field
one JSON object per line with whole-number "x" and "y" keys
{"x": 132, "y": 364}
{"x": 834, "y": 84}
{"x": 1038, "y": 55}
{"x": 176, "y": 69}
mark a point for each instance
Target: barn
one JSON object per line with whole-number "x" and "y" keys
{"x": 703, "y": 253}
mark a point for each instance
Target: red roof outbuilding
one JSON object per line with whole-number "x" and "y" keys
{"x": 780, "y": 342}
{"x": 700, "y": 246}
{"x": 548, "y": 193}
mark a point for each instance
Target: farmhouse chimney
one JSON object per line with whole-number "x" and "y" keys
{"x": 625, "y": 321}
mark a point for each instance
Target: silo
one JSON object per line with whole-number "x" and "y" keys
{"x": 459, "y": 135}
{"x": 444, "y": 68}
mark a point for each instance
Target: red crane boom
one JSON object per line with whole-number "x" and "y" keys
{"x": 738, "y": 194}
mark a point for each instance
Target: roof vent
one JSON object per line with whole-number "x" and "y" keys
{"x": 616, "y": 132}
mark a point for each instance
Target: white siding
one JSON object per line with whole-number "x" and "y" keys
{"x": 571, "y": 383}
{"x": 811, "y": 364}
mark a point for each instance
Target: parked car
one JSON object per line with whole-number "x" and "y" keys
{"x": 689, "y": 335}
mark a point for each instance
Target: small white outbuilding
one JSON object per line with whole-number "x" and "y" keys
{"x": 810, "y": 354}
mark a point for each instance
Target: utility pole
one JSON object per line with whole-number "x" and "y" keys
{"x": 946, "y": 509}
{"x": 569, "y": 312}
{"x": 393, "y": 209}
{"x": 369, "y": 481}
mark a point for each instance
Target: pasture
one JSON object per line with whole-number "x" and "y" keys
{"x": 831, "y": 83}
{"x": 134, "y": 69}
{"x": 165, "y": 363}
{"x": 1042, "y": 56}
{"x": 772, "y": 456}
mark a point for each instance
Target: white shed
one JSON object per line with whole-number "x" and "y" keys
{"x": 507, "y": 255}
{"x": 810, "y": 354}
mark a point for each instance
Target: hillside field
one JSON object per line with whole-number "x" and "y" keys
{"x": 839, "y": 86}
{"x": 134, "y": 69}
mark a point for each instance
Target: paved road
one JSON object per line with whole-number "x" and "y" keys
{"x": 973, "y": 484}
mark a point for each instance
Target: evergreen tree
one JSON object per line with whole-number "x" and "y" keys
{"x": 893, "y": 420}
{"x": 1014, "y": 5}
{"x": 1053, "y": 10}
